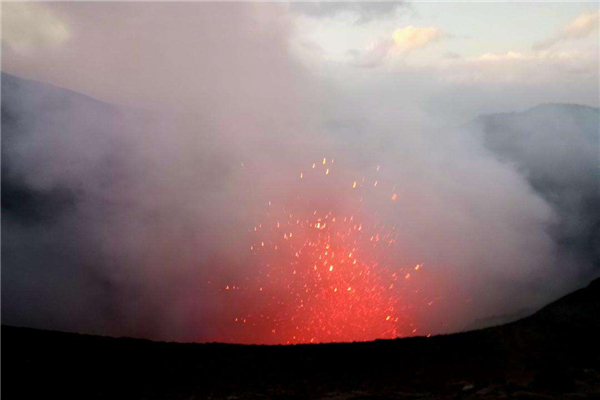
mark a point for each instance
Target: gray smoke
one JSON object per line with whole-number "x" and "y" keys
{"x": 116, "y": 214}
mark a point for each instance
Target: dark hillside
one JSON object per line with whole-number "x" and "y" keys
{"x": 552, "y": 354}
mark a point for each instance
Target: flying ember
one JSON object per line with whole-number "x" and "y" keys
{"x": 324, "y": 267}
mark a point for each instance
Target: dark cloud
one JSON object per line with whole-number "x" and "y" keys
{"x": 365, "y": 10}
{"x": 452, "y": 56}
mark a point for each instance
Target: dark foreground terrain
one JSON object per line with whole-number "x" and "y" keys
{"x": 553, "y": 354}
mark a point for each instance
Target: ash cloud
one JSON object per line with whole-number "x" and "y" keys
{"x": 117, "y": 213}
{"x": 556, "y": 146}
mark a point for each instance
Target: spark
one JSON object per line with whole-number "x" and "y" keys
{"x": 299, "y": 300}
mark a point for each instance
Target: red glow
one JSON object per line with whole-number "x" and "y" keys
{"x": 322, "y": 271}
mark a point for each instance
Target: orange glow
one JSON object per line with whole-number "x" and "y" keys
{"x": 324, "y": 248}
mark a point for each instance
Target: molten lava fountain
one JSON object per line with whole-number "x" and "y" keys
{"x": 325, "y": 269}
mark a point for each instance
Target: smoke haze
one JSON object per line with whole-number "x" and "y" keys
{"x": 127, "y": 212}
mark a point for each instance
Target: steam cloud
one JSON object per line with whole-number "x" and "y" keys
{"x": 116, "y": 217}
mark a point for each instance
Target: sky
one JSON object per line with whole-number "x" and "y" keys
{"x": 161, "y": 137}
{"x": 471, "y": 47}
{"x": 439, "y": 49}
{"x": 471, "y": 29}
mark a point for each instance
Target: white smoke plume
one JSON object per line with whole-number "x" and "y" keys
{"x": 120, "y": 212}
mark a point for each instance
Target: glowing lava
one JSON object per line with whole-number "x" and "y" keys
{"x": 324, "y": 270}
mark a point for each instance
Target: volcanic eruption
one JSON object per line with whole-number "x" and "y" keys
{"x": 325, "y": 266}
{"x": 245, "y": 173}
